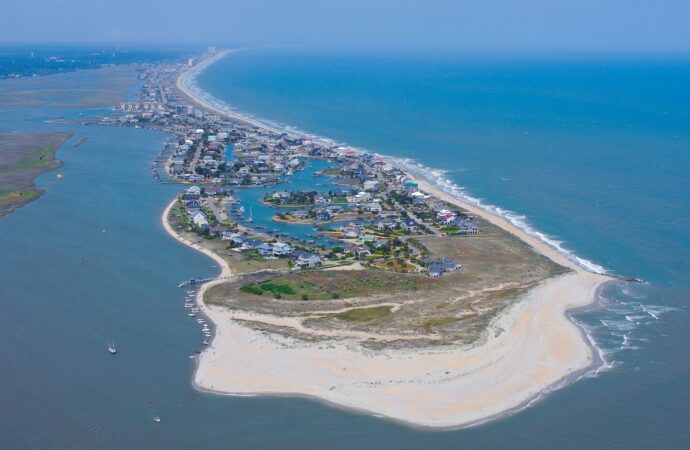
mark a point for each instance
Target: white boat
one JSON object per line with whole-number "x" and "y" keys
{"x": 157, "y": 419}
{"x": 251, "y": 217}
{"x": 205, "y": 342}
{"x": 111, "y": 347}
{"x": 191, "y": 315}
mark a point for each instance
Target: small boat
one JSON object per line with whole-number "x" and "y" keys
{"x": 251, "y": 217}
{"x": 205, "y": 342}
{"x": 191, "y": 315}
{"x": 157, "y": 419}
{"x": 111, "y": 347}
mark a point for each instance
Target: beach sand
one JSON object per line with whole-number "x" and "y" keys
{"x": 532, "y": 348}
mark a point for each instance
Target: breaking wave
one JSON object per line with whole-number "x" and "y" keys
{"x": 610, "y": 328}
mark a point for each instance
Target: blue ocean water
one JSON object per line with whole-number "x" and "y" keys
{"x": 594, "y": 154}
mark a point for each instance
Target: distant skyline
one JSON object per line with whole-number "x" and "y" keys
{"x": 471, "y": 26}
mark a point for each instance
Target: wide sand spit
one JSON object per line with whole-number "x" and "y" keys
{"x": 531, "y": 348}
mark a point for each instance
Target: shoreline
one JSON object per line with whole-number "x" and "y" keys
{"x": 459, "y": 387}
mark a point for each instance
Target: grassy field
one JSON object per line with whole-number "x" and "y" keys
{"x": 24, "y": 156}
{"x": 329, "y": 285}
{"x": 365, "y": 314}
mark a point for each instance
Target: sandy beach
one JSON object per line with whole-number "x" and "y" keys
{"x": 530, "y": 349}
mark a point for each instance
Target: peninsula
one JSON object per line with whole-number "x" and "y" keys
{"x": 347, "y": 278}
{"x": 24, "y": 156}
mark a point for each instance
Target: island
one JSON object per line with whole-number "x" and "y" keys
{"x": 349, "y": 278}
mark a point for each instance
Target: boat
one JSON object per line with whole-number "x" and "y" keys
{"x": 191, "y": 315}
{"x": 251, "y": 217}
{"x": 111, "y": 347}
{"x": 157, "y": 419}
{"x": 205, "y": 342}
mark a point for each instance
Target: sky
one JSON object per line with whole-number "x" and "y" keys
{"x": 464, "y": 25}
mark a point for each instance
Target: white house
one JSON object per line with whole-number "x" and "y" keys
{"x": 281, "y": 249}
{"x": 371, "y": 185}
{"x": 306, "y": 259}
{"x": 199, "y": 219}
{"x": 194, "y": 190}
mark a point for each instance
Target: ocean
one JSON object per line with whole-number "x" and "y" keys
{"x": 592, "y": 154}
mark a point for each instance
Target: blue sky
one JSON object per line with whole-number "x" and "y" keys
{"x": 478, "y": 25}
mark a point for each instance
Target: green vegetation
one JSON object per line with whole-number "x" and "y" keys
{"x": 42, "y": 159}
{"x": 324, "y": 285}
{"x": 277, "y": 289}
{"x": 23, "y": 156}
{"x": 252, "y": 289}
{"x": 9, "y": 197}
{"x": 431, "y": 323}
{"x": 332, "y": 171}
{"x": 365, "y": 314}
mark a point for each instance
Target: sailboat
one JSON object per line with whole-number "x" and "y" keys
{"x": 251, "y": 217}
{"x": 111, "y": 347}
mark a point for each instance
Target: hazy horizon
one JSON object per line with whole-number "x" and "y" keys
{"x": 532, "y": 26}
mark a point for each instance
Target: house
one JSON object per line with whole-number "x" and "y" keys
{"x": 200, "y": 220}
{"x": 436, "y": 270}
{"x": 299, "y": 213}
{"x": 323, "y": 216}
{"x": 408, "y": 225}
{"x": 280, "y": 195}
{"x": 212, "y": 191}
{"x": 374, "y": 207}
{"x": 306, "y": 259}
{"x": 371, "y": 185}
{"x": 358, "y": 251}
{"x": 449, "y": 265}
{"x": 265, "y": 249}
{"x": 334, "y": 209}
{"x": 438, "y": 267}
{"x": 193, "y": 191}
{"x": 250, "y": 244}
{"x": 381, "y": 243}
{"x": 281, "y": 249}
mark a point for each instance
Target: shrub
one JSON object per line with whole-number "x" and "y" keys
{"x": 252, "y": 289}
